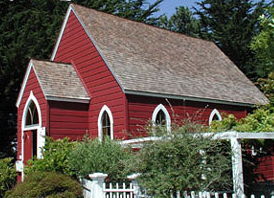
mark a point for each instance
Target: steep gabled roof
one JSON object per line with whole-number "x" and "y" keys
{"x": 151, "y": 61}
{"x": 58, "y": 81}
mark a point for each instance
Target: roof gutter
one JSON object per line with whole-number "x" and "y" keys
{"x": 195, "y": 99}
{"x": 77, "y": 100}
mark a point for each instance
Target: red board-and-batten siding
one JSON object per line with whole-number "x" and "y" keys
{"x": 130, "y": 113}
{"x": 76, "y": 47}
{"x": 31, "y": 85}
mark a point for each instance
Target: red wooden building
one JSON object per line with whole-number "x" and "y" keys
{"x": 109, "y": 76}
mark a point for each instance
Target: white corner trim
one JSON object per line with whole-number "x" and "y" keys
{"x": 61, "y": 33}
{"x": 212, "y": 114}
{"x": 168, "y": 119}
{"x": 24, "y": 84}
{"x": 100, "y": 132}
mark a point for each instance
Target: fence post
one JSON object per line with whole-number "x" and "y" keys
{"x": 136, "y": 187}
{"x": 97, "y": 189}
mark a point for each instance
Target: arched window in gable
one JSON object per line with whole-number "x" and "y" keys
{"x": 214, "y": 115}
{"x": 160, "y": 117}
{"x": 105, "y": 123}
{"x": 32, "y": 117}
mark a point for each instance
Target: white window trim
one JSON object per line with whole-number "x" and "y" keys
{"x": 212, "y": 114}
{"x": 168, "y": 119}
{"x": 41, "y": 132}
{"x": 100, "y": 131}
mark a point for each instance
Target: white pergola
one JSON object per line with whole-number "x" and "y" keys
{"x": 234, "y": 138}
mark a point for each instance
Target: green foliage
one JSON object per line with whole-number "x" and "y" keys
{"x": 7, "y": 175}
{"x": 55, "y": 157}
{"x": 267, "y": 86}
{"x": 232, "y": 25}
{"x": 182, "y": 161}
{"x": 106, "y": 156}
{"x": 46, "y": 185}
{"x": 228, "y": 123}
{"x": 29, "y": 29}
{"x": 261, "y": 120}
{"x": 182, "y": 21}
{"x": 263, "y": 43}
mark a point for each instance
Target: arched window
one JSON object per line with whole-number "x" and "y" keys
{"x": 214, "y": 115}
{"x": 160, "y": 117}
{"x": 105, "y": 123}
{"x": 32, "y": 115}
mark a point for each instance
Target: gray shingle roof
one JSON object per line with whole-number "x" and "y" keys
{"x": 148, "y": 59}
{"x": 59, "y": 80}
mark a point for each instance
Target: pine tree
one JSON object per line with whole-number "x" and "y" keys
{"x": 231, "y": 24}
{"x": 183, "y": 21}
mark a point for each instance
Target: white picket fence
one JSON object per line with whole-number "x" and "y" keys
{"x": 97, "y": 188}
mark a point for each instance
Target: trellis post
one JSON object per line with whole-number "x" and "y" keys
{"x": 237, "y": 167}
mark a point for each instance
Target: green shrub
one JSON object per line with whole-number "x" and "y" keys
{"x": 261, "y": 120}
{"x": 107, "y": 156}
{"x": 46, "y": 185}
{"x": 7, "y": 175}
{"x": 55, "y": 157}
{"x": 183, "y": 161}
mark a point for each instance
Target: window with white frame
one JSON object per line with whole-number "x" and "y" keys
{"x": 32, "y": 115}
{"x": 160, "y": 117}
{"x": 214, "y": 115}
{"x": 105, "y": 123}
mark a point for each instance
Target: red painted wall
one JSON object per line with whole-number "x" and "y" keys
{"x": 32, "y": 85}
{"x": 76, "y": 47}
{"x": 68, "y": 119}
{"x": 140, "y": 110}
{"x": 265, "y": 169}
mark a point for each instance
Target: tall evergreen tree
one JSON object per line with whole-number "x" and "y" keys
{"x": 231, "y": 24}
{"x": 183, "y": 21}
{"x": 263, "y": 44}
{"x": 29, "y": 28}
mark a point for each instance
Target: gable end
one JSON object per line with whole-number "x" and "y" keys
{"x": 26, "y": 77}
{"x": 71, "y": 9}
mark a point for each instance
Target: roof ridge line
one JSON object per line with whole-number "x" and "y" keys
{"x": 45, "y": 60}
{"x": 142, "y": 23}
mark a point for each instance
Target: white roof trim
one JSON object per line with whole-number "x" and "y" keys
{"x": 78, "y": 100}
{"x": 195, "y": 99}
{"x": 24, "y": 84}
{"x": 90, "y": 37}
{"x": 61, "y": 33}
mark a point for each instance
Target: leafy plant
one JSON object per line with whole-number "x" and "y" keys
{"x": 106, "y": 156}
{"x": 7, "y": 175}
{"x": 263, "y": 43}
{"x": 55, "y": 157}
{"x": 46, "y": 185}
{"x": 183, "y": 161}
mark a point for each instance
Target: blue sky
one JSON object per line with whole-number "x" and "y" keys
{"x": 168, "y": 6}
